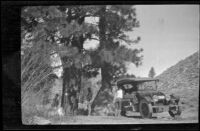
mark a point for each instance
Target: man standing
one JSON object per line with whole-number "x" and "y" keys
{"x": 89, "y": 98}
{"x": 118, "y": 101}
{"x": 73, "y": 101}
{"x": 55, "y": 101}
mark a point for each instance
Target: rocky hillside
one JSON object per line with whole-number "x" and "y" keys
{"x": 183, "y": 79}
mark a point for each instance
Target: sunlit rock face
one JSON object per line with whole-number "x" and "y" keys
{"x": 57, "y": 84}
{"x": 185, "y": 74}
{"x": 92, "y": 20}
{"x": 57, "y": 87}
{"x": 56, "y": 61}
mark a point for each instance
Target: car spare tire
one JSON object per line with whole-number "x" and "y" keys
{"x": 145, "y": 109}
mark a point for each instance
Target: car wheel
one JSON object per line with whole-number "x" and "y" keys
{"x": 145, "y": 109}
{"x": 175, "y": 113}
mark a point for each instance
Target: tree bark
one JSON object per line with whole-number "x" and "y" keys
{"x": 102, "y": 38}
{"x": 105, "y": 77}
{"x": 66, "y": 100}
{"x": 103, "y": 45}
{"x": 64, "y": 89}
{"x": 102, "y": 27}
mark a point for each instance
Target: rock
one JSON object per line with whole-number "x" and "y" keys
{"x": 40, "y": 121}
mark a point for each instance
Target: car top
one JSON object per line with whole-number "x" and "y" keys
{"x": 130, "y": 80}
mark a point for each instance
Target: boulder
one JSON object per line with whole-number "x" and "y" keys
{"x": 40, "y": 121}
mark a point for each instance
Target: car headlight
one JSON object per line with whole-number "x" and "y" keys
{"x": 161, "y": 97}
{"x": 155, "y": 98}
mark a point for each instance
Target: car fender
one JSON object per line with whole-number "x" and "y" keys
{"x": 148, "y": 98}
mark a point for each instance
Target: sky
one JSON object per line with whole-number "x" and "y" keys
{"x": 169, "y": 33}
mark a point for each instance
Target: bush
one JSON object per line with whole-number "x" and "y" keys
{"x": 28, "y": 112}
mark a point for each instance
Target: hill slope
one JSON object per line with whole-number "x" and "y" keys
{"x": 183, "y": 79}
{"x": 185, "y": 74}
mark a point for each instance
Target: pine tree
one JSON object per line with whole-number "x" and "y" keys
{"x": 152, "y": 73}
{"x": 45, "y": 23}
{"x": 114, "y": 22}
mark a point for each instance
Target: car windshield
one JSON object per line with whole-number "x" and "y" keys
{"x": 149, "y": 85}
{"x": 129, "y": 88}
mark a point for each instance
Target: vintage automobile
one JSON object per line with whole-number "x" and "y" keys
{"x": 141, "y": 95}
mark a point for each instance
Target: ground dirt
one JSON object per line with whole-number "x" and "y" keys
{"x": 132, "y": 118}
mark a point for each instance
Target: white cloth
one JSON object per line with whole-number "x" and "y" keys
{"x": 119, "y": 93}
{"x": 60, "y": 111}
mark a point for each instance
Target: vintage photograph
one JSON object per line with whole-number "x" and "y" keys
{"x": 109, "y": 64}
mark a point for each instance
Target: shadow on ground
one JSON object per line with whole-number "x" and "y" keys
{"x": 139, "y": 117}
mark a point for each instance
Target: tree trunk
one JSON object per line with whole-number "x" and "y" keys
{"x": 105, "y": 77}
{"x": 103, "y": 45}
{"x": 70, "y": 102}
{"x": 102, "y": 28}
{"x": 63, "y": 90}
{"x": 64, "y": 99}
{"x": 102, "y": 38}
{"x": 72, "y": 73}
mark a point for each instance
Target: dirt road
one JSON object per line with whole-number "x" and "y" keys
{"x": 132, "y": 118}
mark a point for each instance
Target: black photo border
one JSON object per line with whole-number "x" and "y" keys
{"x": 11, "y": 89}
